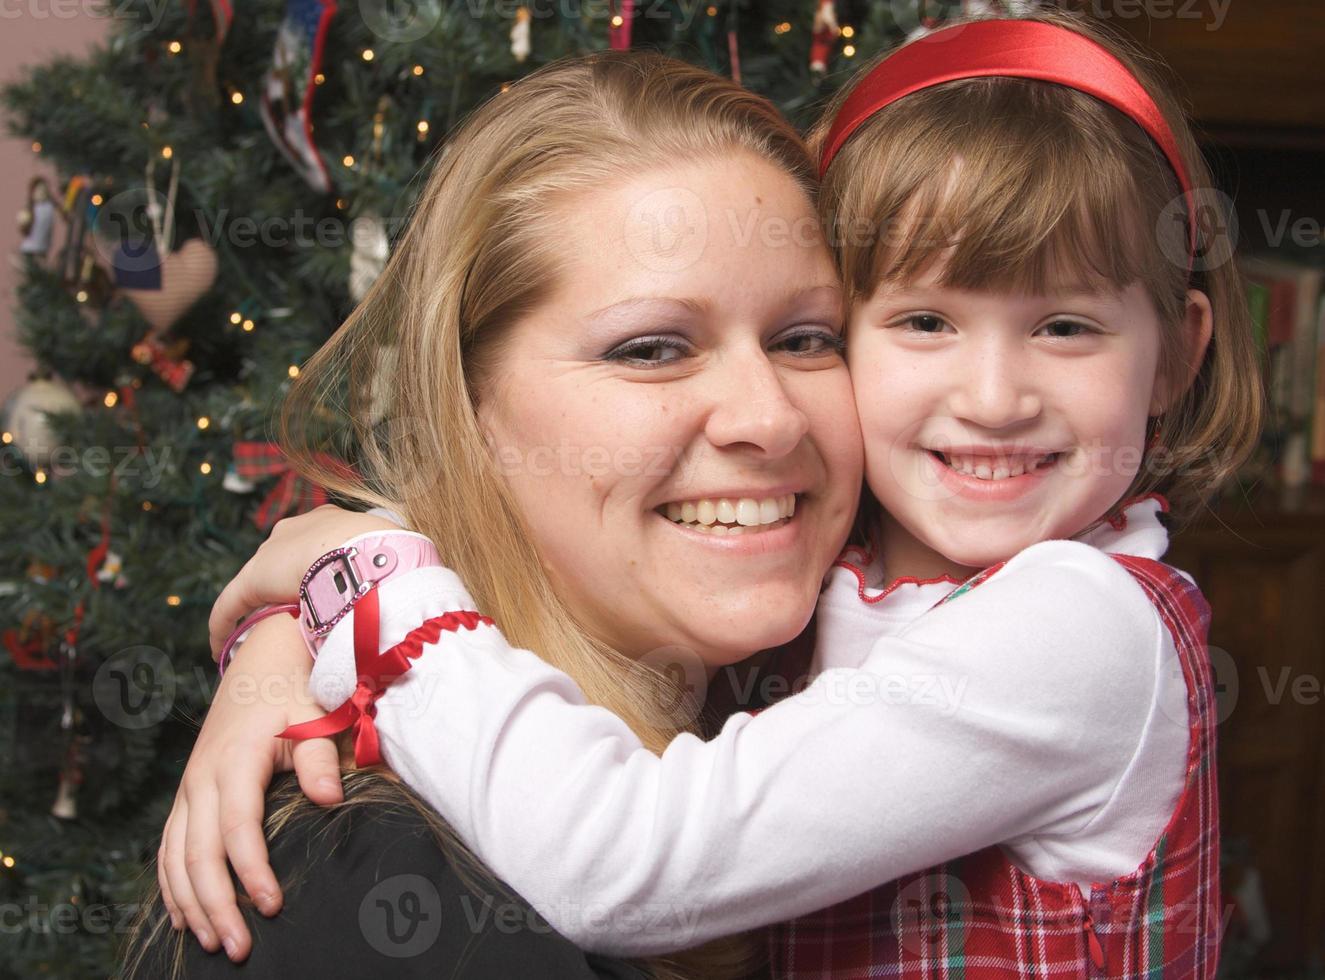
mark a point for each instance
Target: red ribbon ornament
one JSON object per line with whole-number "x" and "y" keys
{"x": 292, "y": 492}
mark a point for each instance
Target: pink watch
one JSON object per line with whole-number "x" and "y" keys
{"x": 341, "y": 577}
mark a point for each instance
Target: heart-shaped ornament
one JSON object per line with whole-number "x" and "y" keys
{"x": 186, "y": 275}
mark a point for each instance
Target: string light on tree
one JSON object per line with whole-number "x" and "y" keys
{"x": 418, "y": 70}
{"x": 236, "y": 97}
{"x": 175, "y": 47}
{"x": 248, "y": 326}
{"x": 172, "y": 600}
{"x": 236, "y": 318}
{"x": 204, "y": 422}
{"x": 205, "y": 469}
{"x": 111, "y": 399}
{"x": 293, "y": 371}
{"x": 368, "y": 54}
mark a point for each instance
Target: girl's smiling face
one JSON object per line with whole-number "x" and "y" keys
{"x": 685, "y": 377}
{"x": 994, "y": 421}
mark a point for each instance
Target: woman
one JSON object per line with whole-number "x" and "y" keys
{"x": 576, "y": 225}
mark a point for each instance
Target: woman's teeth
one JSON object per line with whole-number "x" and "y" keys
{"x": 727, "y": 516}
{"x": 995, "y": 467}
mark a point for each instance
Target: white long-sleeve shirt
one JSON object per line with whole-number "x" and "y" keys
{"x": 1044, "y": 710}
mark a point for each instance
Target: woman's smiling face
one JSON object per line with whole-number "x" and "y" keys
{"x": 685, "y": 377}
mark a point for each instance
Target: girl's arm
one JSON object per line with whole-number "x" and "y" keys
{"x": 1014, "y": 709}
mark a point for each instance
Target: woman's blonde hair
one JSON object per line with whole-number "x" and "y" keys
{"x": 1026, "y": 185}
{"x": 409, "y": 366}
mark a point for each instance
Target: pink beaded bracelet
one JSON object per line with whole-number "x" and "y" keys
{"x": 227, "y": 651}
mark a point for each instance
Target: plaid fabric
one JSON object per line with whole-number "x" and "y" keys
{"x": 981, "y": 916}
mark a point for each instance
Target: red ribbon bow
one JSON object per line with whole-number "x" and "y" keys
{"x": 292, "y": 492}
{"x": 376, "y": 672}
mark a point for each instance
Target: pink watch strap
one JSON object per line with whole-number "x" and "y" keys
{"x": 337, "y": 580}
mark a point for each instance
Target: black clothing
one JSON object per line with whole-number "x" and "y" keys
{"x": 370, "y": 894}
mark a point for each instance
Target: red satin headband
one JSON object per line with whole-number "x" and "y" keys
{"x": 1013, "y": 49}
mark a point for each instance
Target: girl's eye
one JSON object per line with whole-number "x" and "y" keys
{"x": 924, "y": 323}
{"x": 812, "y": 343}
{"x": 647, "y": 352}
{"x": 1065, "y": 329}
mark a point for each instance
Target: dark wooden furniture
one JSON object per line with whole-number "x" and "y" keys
{"x": 1262, "y": 567}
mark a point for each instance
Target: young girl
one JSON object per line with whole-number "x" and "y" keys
{"x": 1037, "y": 351}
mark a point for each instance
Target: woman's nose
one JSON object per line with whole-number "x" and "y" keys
{"x": 751, "y": 406}
{"x": 995, "y": 392}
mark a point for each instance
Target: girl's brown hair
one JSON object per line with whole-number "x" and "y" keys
{"x": 405, "y": 373}
{"x": 1015, "y": 184}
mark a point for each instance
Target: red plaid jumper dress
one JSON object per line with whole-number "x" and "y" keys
{"x": 981, "y": 916}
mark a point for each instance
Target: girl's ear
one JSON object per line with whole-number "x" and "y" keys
{"x": 1197, "y": 326}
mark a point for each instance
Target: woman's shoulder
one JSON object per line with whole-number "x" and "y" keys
{"x": 373, "y": 891}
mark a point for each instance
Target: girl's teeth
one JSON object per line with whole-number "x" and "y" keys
{"x": 982, "y": 469}
{"x": 727, "y": 516}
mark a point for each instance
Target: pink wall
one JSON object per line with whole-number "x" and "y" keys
{"x": 31, "y": 31}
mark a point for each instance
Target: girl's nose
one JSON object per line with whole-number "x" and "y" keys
{"x": 996, "y": 391}
{"x": 751, "y": 407}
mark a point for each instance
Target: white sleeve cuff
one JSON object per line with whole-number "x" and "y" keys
{"x": 405, "y": 602}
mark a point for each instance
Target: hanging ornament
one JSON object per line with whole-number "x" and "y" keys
{"x": 288, "y": 86}
{"x": 167, "y": 361}
{"x": 520, "y": 35}
{"x": 80, "y": 273}
{"x": 823, "y": 36}
{"x": 36, "y": 221}
{"x": 369, "y": 257}
{"x": 27, "y": 422}
{"x": 235, "y": 483}
{"x": 292, "y": 493}
{"x": 161, "y": 283}
{"x": 222, "y": 13}
{"x": 112, "y": 570}
{"x": 30, "y": 645}
{"x": 733, "y": 50}
{"x": 622, "y": 21}
{"x": 71, "y": 771}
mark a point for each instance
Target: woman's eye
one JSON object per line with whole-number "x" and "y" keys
{"x": 647, "y": 352}
{"x": 812, "y": 343}
{"x": 1065, "y": 329}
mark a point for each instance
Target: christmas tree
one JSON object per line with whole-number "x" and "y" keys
{"x": 230, "y": 180}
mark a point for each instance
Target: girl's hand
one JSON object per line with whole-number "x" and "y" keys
{"x": 219, "y": 807}
{"x": 273, "y": 574}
